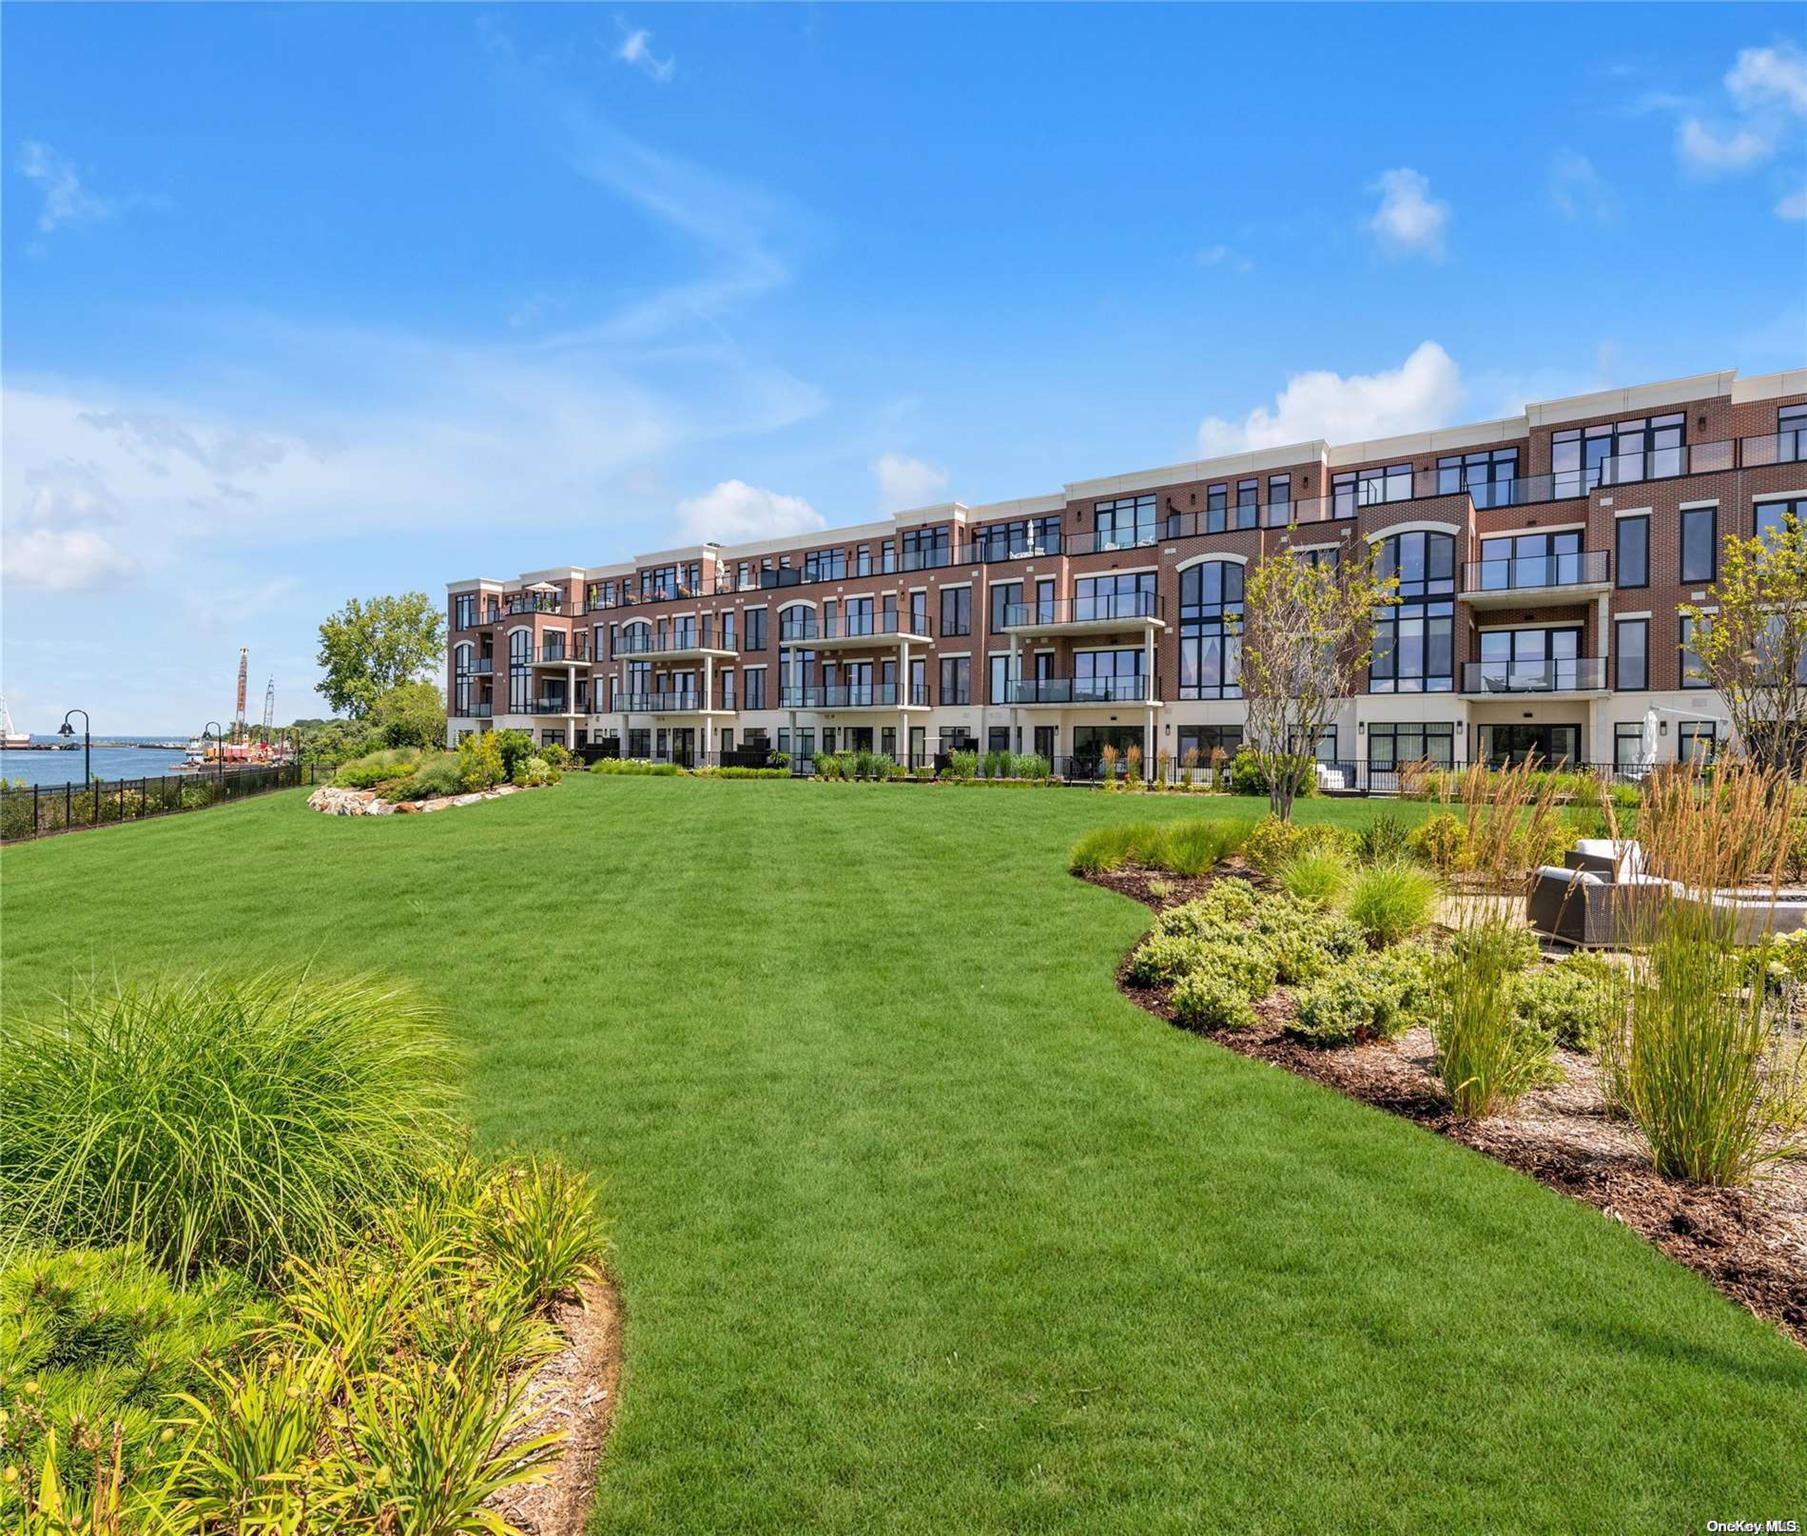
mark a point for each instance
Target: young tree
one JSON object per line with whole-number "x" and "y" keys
{"x": 1749, "y": 642}
{"x": 1306, "y": 632}
{"x": 410, "y": 715}
{"x": 366, "y": 648}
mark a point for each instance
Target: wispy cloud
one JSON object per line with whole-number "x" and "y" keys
{"x": 1409, "y": 221}
{"x": 1227, "y": 257}
{"x": 904, "y": 482}
{"x": 1424, "y": 391}
{"x": 66, "y": 200}
{"x": 1710, "y": 151}
{"x": 1579, "y": 191}
{"x": 1793, "y": 206}
{"x": 637, "y": 49}
{"x": 735, "y": 512}
{"x": 1760, "y": 113}
{"x": 1769, "y": 77}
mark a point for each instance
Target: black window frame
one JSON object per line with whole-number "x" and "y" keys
{"x": 1642, "y": 520}
{"x": 1619, "y": 681}
{"x": 962, "y": 621}
{"x": 1683, "y": 574}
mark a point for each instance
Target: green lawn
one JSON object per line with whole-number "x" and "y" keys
{"x": 921, "y": 1227}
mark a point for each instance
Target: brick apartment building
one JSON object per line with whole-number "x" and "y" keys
{"x": 1540, "y": 562}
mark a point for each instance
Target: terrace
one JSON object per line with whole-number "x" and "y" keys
{"x": 1108, "y": 613}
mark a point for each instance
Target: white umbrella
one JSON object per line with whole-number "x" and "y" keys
{"x": 1647, "y": 747}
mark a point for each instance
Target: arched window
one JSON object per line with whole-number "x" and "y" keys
{"x": 461, "y": 678}
{"x": 1413, "y": 649}
{"x": 1210, "y": 650}
{"x": 520, "y": 671}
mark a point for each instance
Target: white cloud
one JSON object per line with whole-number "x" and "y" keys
{"x": 1766, "y": 77}
{"x": 1409, "y": 220}
{"x": 637, "y": 49}
{"x": 1424, "y": 391}
{"x": 735, "y": 512}
{"x": 65, "y": 560}
{"x": 1794, "y": 206}
{"x": 904, "y": 482}
{"x": 1579, "y": 191}
{"x": 1711, "y": 151}
{"x": 1224, "y": 256}
{"x": 66, "y": 200}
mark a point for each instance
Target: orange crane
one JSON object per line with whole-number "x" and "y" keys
{"x": 244, "y": 662}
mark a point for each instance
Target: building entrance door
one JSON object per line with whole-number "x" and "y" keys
{"x": 1551, "y": 745}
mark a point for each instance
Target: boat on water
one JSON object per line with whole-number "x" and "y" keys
{"x": 11, "y": 739}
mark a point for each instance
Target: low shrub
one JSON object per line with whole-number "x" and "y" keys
{"x": 480, "y": 762}
{"x": 556, "y": 754}
{"x": 1248, "y": 777}
{"x": 1227, "y": 903}
{"x": 1206, "y": 1000}
{"x": 516, "y": 746}
{"x": 531, "y": 772}
{"x": 1315, "y": 876}
{"x": 376, "y": 768}
{"x": 1370, "y": 998}
{"x": 1272, "y": 842}
{"x": 1193, "y": 847}
{"x": 962, "y": 765}
{"x": 218, "y": 1120}
{"x": 632, "y": 766}
{"x": 1163, "y": 958}
{"x": 741, "y": 773}
{"x": 439, "y": 773}
{"x": 1571, "y": 1001}
{"x": 1390, "y": 902}
{"x": 1441, "y": 841}
{"x": 1305, "y": 942}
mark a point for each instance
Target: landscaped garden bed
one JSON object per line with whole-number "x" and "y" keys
{"x": 403, "y": 780}
{"x": 1313, "y": 951}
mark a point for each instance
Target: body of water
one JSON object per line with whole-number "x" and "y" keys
{"x": 66, "y": 767}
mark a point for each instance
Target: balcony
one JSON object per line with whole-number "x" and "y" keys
{"x": 480, "y": 710}
{"x": 539, "y": 601}
{"x": 671, "y": 701}
{"x": 1108, "y": 614}
{"x": 1531, "y": 579}
{"x": 855, "y": 696}
{"x": 563, "y": 656}
{"x": 1570, "y": 676}
{"x": 680, "y": 642}
{"x": 477, "y": 666}
{"x": 1067, "y": 691}
{"x": 851, "y": 631}
{"x": 550, "y": 705}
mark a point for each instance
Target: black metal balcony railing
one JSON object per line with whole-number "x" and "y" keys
{"x": 1587, "y": 567}
{"x": 1126, "y": 606}
{"x": 551, "y": 704}
{"x": 535, "y": 602}
{"x": 1575, "y": 674}
{"x": 477, "y": 666}
{"x": 669, "y": 701}
{"x": 481, "y": 710}
{"x": 853, "y": 696}
{"x": 679, "y": 637}
{"x": 1083, "y": 690}
{"x": 795, "y": 628}
{"x": 558, "y": 651}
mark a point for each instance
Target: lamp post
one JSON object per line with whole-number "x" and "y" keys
{"x": 219, "y": 745}
{"x": 66, "y": 729}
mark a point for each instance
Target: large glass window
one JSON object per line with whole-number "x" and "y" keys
{"x": 1358, "y": 488}
{"x": 925, "y": 549}
{"x": 1392, "y": 744}
{"x": 1529, "y": 560}
{"x": 1770, "y": 515}
{"x": 956, "y": 610}
{"x": 1005, "y": 595}
{"x": 1487, "y": 475}
{"x": 825, "y": 565}
{"x": 1617, "y": 453}
{"x": 1125, "y": 523}
{"x": 1530, "y": 660}
{"x": 1631, "y": 557}
{"x": 997, "y": 682}
{"x": 1631, "y": 654}
{"x": 1210, "y": 650}
{"x": 1413, "y": 645}
{"x": 1025, "y": 536}
{"x": 520, "y": 671}
{"x": 1124, "y": 595}
{"x": 1791, "y": 434}
{"x": 956, "y": 680}
{"x": 1696, "y": 741}
{"x": 755, "y": 688}
{"x": 1700, "y": 544}
{"x": 464, "y": 608}
{"x": 1628, "y": 749}
{"x": 753, "y": 637}
{"x": 1108, "y": 677}
{"x": 1692, "y": 675}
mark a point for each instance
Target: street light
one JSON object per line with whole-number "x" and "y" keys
{"x": 219, "y": 746}
{"x": 66, "y": 729}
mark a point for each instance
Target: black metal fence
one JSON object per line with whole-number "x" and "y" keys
{"x": 38, "y": 810}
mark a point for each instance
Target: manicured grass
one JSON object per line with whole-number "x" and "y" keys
{"x": 920, "y": 1226}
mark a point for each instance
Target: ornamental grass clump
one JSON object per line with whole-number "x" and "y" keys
{"x": 1700, "y": 1062}
{"x": 1390, "y": 902}
{"x": 1315, "y": 876}
{"x": 218, "y": 1120}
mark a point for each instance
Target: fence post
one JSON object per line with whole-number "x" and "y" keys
{"x": 35, "y": 821}
{"x": 68, "y": 802}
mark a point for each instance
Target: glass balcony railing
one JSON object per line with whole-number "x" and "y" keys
{"x": 1583, "y": 568}
{"x": 853, "y": 696}
{"x": 1129, "y": 607}
{"x": 1575, "y": 674}
{"x": 1082, "y": 690}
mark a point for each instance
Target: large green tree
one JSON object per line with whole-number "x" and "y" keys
{"x": 410, "y": 715}
{"x": 367, "y": 648}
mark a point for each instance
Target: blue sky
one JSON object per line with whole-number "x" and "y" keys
{"x": 303, "y": 304}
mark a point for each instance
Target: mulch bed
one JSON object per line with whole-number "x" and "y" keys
{"x": 1750, "y": 1243}
{"x": 573, "y": 1393}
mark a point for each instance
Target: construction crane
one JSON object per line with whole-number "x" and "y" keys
{"x": 270, "y": 710}
{"x": 238, "y": 715}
